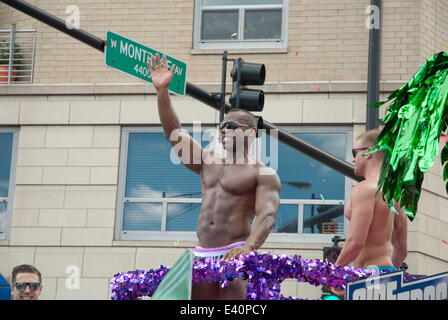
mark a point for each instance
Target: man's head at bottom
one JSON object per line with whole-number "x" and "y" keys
{"x": 363, "y": 144}
{"x": 26, "y": 283}
{"x": 238, "y": 129}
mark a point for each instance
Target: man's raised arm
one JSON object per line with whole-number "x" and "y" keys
{"x": 187, "y": 149}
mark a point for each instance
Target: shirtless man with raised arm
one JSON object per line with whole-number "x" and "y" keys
{"x": 233, "y": 191}
{"x": 377, "y": 236}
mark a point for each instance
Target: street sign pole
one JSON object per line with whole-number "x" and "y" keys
{"x": 223, "y": 87}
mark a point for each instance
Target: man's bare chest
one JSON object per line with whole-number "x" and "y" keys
{"x": 235, "y": 179}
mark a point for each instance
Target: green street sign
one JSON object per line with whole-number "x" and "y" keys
{"x": 131, "y": 57}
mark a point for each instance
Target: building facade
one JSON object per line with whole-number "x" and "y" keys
{"x": 88, "y": 187}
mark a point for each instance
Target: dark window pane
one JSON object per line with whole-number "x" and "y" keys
{"x": 151, "y": 173}
{"x": 239, "y": 2}
{"x": 327, "y": 219}
{"x": 301, "y": 176}
{"x": 5, "y": 162}
{"x": 182, "y": 216}
{"x": 3, "y": 206}
{"x": 142, "y": 216}
{"x": 219, "y": 25}
{"x": 286, "y": 221}
{"x": 263, "y": 24}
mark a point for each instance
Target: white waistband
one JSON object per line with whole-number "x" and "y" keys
{"x": 216, "y": 252}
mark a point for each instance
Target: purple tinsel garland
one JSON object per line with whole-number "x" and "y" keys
{"x": 264, "y": 273}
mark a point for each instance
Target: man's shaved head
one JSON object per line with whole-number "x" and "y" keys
{"x": 246, "y": 116}
{"x": 369, "y": 137}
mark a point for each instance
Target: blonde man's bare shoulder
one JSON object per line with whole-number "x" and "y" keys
{"x": 368, "y": 186}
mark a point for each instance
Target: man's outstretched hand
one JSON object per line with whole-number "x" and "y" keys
{"x": 160, "y": 75}
{"x": 235, "y": 252}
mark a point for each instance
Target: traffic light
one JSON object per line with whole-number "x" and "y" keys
{"x": 244, "y": 74}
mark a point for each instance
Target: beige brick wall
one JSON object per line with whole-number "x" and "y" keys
{"x": 67, "y": 166}
{"x": 331, "y": 39}
{"x": 67, "y": 178}
{"x": 9, "y": 15}
{"x": 433, "y": 28}
{"x": 66, "y": 182}
{"x": 400, "y": 39}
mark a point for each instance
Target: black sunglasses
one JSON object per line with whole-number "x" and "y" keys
{"x": 21, "y": 286}
{"x": 232, "y": 125}
{"x": 355, "y": 150}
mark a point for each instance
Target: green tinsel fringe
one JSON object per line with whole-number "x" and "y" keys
{"x": 410, "y": 138}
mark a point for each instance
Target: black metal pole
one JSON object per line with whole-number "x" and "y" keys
{"x": 373, "y": 77}
{"x": 322, "y": 156}
{"x": 223, "y": 87}
{"x": 56, "y": 23}
{"x": 212, "y": 100}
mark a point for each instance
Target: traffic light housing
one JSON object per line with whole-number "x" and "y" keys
{"x": 244, "y": 74}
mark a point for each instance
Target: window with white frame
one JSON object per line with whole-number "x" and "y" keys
{"x": 234, "y": 24}
{"x": 8, "y": 147}
{"x": 312, "y": 196}
{"x": 161, "y": 200}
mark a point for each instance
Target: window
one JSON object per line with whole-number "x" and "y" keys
{"x": 8, "y": 147}
{"x": 17, "y": 48}
{"x": 159, "y": 200}
{"x": 238, "y": 24}
{"x": 312, "y": 194}
{"x": 156, "y": 196}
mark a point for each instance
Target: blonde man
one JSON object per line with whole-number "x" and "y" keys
{"x": 377, "y": 237}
